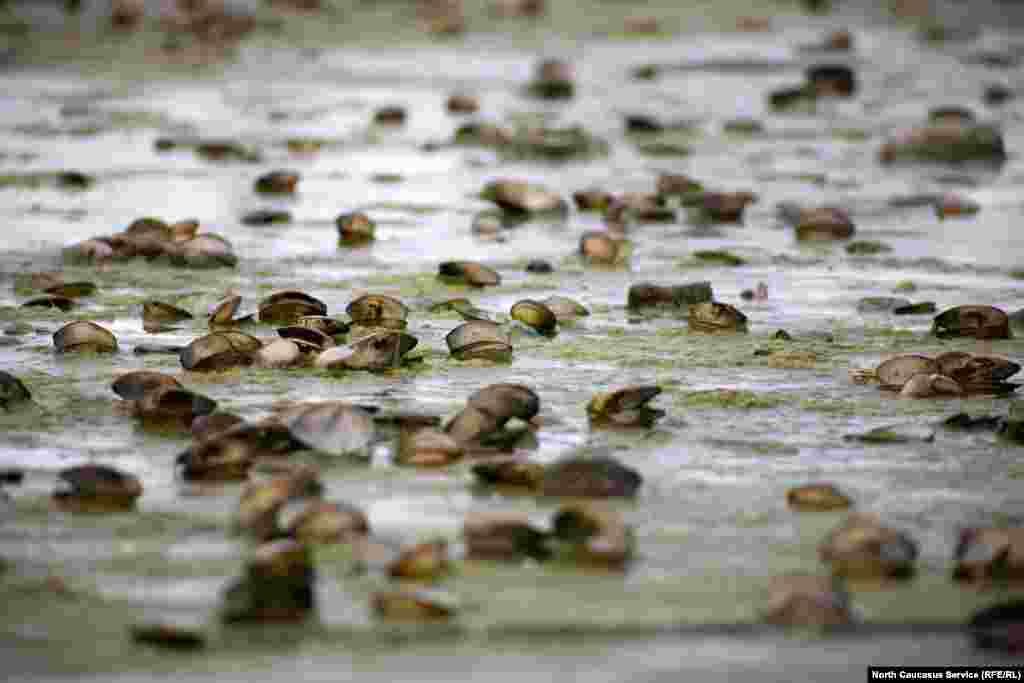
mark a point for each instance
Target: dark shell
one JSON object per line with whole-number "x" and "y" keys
{"x": 594, "y": 537}
{"x": 288, "y": 306}
{"x": 50, "y": 301}
{"x": 219, "y": 351}
{"x": 600, "y": 477}
{"x": 479, "y": 339}
{"x": 307, "y": 335}
{"x": 725, "y": 207}
{"x": 460, "y": 103}
{"x": 260, "y": 502}
{"x": 169, "y": 406}
{"x": 84, "y": 335}
{"x": 536, "y": 315}
{"x": 503, "y": 537}
{"x": 277, "y": 182}
{"x": 96, "y": 488}
{"x": 329, "y": 326}
{"x": 266, "y": 217}
{"x": 390, "y": 116}
{"x": 505, "y": 401}
{"x": 646, "y": 294}
{"x": 470, "y": 272}
{"x": 712, "y": 316}
{"x": 999, "y": 627}
{"x": 12, "y": 392}
{"x": 378, "y": 310}
{"x": 861, "y": 548}
{"x": 72, "y": 290}
{"x": 333, "y": 427}
{"x": 168, "y": 636}
{"x": 209, "y": 426}
{"x": 832, "y": 80}
{"x": 155, "y": 312}
{"x": 626, "y": 407}
{"x": 278, "y": 586}
{"x": 592, "y": 200}
{"x": 133, "y": 386}
{"x": 355, "y": 229}
{"x": 817, "y": 497}
{"x": 981, "y": 322}
{"x": 511, "y": 472}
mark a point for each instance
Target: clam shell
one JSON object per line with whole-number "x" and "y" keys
{"x": 183, "y": 231}
{"x": 308, "y": 335}
{"x": 824, "y": 224}
{"x": 712, "y": 317}
{"x": 12, "y": 392}
{"x": 84, "y": 335}
{"x": 424, "y": 561}
{"x": 625, "y": 407}
{"x": 536, "y": 315}
{"x": 169, "y": 405}
{"x": 592, "y": 200}
{"x": 329, "y": 326}
{"x": 505, "y": 401}
{"x": 503, "y": 537}
{"x": 600, "y": 248}
{"x": 862, "y": 548}
{"x": 277, "y": 182}
{"x": 375, "y": 352}
{"x": 204, "y": 251}
{"x": 133, "y": 386}
{"x": 260, "y": 502}
{"x": 895, "y": 372}
{"x": 470, "y": 272}
{"x": 280, "y": 353}
{"x": 416, "y": 606}
{"x": 988, "y": 555}
{"x": 50, "y": 301}
{"x": 817, "y": 497}
{"x": 600, "y": 477}
{"x": 427, "y": 447}
{"x": 72, "y": 290}
{"x": 228, "y": 455}
{"x": 981, "y": 322}
{"x": 322, "y": 522}
{"x": 510, "y": 472}
{"x": 596, "y": 537}
{"x": 805, "y": 600}
{"x": 288, "y": 306}
{"x": 224, "y": 311}
{"x": 378, "y": 310}
{"x": 96, "y": 488}
{"x": 479, "y": 339}
{"x": 355, "y": 229}
{"x": 645, "y": 294}
{"x": 149, "y": 226}
{"x": 520, "y": 196}
{"x": 159, "y": 312}
{"x": 565, "y": 309}
{"x": 219, "y": 351}
{"x": 332, "y": 427}
{"x": 472, "y": 424}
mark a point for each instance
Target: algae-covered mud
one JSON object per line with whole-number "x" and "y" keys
{"x": 696, "y": 233}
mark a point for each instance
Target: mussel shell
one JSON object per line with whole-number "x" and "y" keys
{"x": 228, "y": 455}
{"x": 423, "y": 561}
{"x": 824, "y": 224}
{"x": 260, "y": 501}
{"x": 375, "y": 352}
{"x": 333, "y": 427}
{"x": 505, "y": 401}
{"x": 96, "y": 488}
{"x": 981, "y": 322}
{"x": 713, "y": 316}
{"x": 804, "y": 600}
{"x": 503, "y": 537}
{"x": 170, "y": 402}
{"x": 219, "y": 351}
{"x": 378, "y": 310}
{"x": 84, "y": 335}
{"x": 12, "y": 392}
{"x": 522, "y": 197}
{"x": 160, "y": 312}
{"x": 565, "y": 309}
{"x": 288, "y": 306}
{"x": 536, "y": 315}
{"x": 968, "y": 369}
{"x": 622, "y": 400}
{"x": 329, "y": 326}
{"x": 278, "y": 586}
{"x": 990, "y": 555}
{"x": 307, "y": 335}
{"x": 895, "y": 372}
{"x": 415, "y": 606}
{"x": 209, "y": 426}
{"x": 495, "y": 352}
{"x": 861, "y": 548}
{"x": 470, "y": 272}
{"x": 62, "y": 303}
{"x": 204, "y": 251}
{"x": 599, "y": 247}
{"x": 223, "y": 312}
{"x": 511, "y": 472}
{"x": 426, "y": 447}
{"x": 817, "y": 497}
{"x": 133, "y": 386}
{"x": 837, "y": 80}
{"x": 472, "y": 424}
{"x": 72, "y": 290}
{"x": 318, "y": 521}
{"x": 277, "y": 182}
{"x": 169, "y": 636}
{"x": 464, "y": 338}
{"x": 600, "y": 477}
{"x": 355, "y": 228}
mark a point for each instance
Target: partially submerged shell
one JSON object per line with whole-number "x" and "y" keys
{"x": 625, "y": 407}
{"x": 806, "y": 600}
{"x": 62, "y": 303}
{"x": 333, "y": 427}
{"x": 412, "y": 606}
{"x": 84, "y": 336}
{"x": 71, "y": 290}
{"x": 96, "y": 488}
{"x": 712, "y": 317}
{"x": 158, "y": 313}
{"x": 277, "y": 182}
{"x": 862, "y": 548}
{"x": 505, "y": 401}
{"x": 308, "y": 338}
{"x": 503, "y": 537}
{"x": 646, "y": 294}
{"x": 224, "y": 311}
{"x": 817, "y": 497}
{"x": 332, "y": 327}
{"x": 204, "y": 251}
{"x": 946, "y": 143}
{"x": 220, "y": 351}
{"x": 600, "y": 477}
{"x": 170, "y": 406}
{"x": 288, "y": 306}
{"x": 13, "y": 394}
{"x": 895, "y": 372}
{"x": 469, "y": 272}
{"x": 824, "y": 224}
{"x": 133, "y": 386}
{"x": 278, "y": 586}
{"x": 260, "y": 502}
{"x": 282, "y": 353}
{"x": 553, "y": 80}
{"x": 990, "y": 555}
{"x": 928, "y": 386}
{"x": 536, "y": 315}
{"x": 355, "y": 229}
{"x": 724, "y": 207}
{"x": 831, "y": 80}
{"x": 318, "y": 521}
{"x": 426, "y": 447}
{"x": 510, "y": 473}
{"x": 594, "y": 536}
{"x": 479, "y": 339}
{"x": 376, "y": 352}
{"x": 980, "y": 322}
{"x": 378, "y": 310}
{"x": 421, "y": 562}
{"x": 565, "y": 309}
{"x": 523, "y": 197}
{"x": 602, "y": 249}
{"x": 229, "y": 454}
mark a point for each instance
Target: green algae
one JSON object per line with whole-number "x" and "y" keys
{"x": 730, "y": 398}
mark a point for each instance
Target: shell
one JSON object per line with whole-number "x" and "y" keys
{"x": 601, "y": 248}
{"x": 375, "y": 352}
{"x": 260, "y": 502}
{"x": 169, "y": 406}
{"x": 422, "y": 562}
{"x": 592, "y": 200}
{"x": 288, "y": 306}
{"x": 219, "y": 351}
{"x": 223, "y": 312}
{"x": 503, "y": 537}
{"x": 713, "y": 317}
{"x": 505, "y": 401}
{"x": 831, "y": 80}
{"x": 536, "y": 315}
{"x": 84, "y": 335}
{"x": 522, "y": 197}
{"x": 470, "y": 272}
{"x": 426, "y": 447}
{"x": 981, "y": 322}
{"x": 277, "y": 182}
{"x": 415, "y": 606}
{"x": 461, "y": 103}
{"x": 333, "y": 427}
{"x": 329, "y": 326}
{"x": 309, "y": 337}
{"x": 824, "y": 224}
{"x": 565, "y": 309}
{"x": 510, "y": 472}
{"x": 50, "y": 301}
{"x": 204, "y": 251}
{"x": 471, "y": 425}
{"x": 280, "y": 353}
{"x": 626, "y": 407}
{"x": 600, "y": 477}
{"x": 895, "y": 372}
{"x": 156, "y": 312}
{"x": 646, "y": 294}
{"x": 179, "y": 638}
{"x": 96, "y": 488}
{"x": 12, "y": 392}
{"x": 928, "y": 386}
{"x": 133, "y": 386}
{"x": 355, "y": 229}
{"x": 817, "y": 497}
{"x": 806, "y": 600}
{"x": 862, "y": 548}
{"x": 596, "y": 537}
{"x": 321, "y": 522}
{"x": 378, "y": 310}
{"x": 674, "y": 184}
{"x": 479, "y": 339}
{"x": 988, "y": 555}
{"x": 278, "y": 586}
{"x": 725, "y": 207}
{"x": 72, "y": 290}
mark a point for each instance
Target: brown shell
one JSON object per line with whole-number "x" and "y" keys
{"x": 322, "y": 522}
{"x": 817, "y": 497}
{"x": 506, "y": 401}
{"x": 824, "y": 224}
{"x": 308, "y": 335}
{"x": 895, "y": 372}
{"x": 712, "y": 317}
{"x": 470, "y": 272}
{"x": 422, "y": 562}
{"x": 96, "y": 488}
{"x": 224, "y": 311}
{"x": 990, "y": 554}
{"x": 84, "y": 335}
{"x": 536, "y": 315}
{"x": 159, "y": 312}
{"x": 478, "y": 339}
{"x": 411, "y": 606}
{"x": 219, "y": 351}
{"x": 502, "y": 537}
{"x": 333, "y": 427}
{"x": 807, "y": 601}
{"x": 378, "y": 310}
{"x": 133, "y": 386}
{"x": 288, "y": 306}
{"x": 981, "y": 322}
{"x": 375, "y": 352}
{"x": 600, "y": 248}
{"x": 862, "y": 548}
{"x": 72, "y": 290}
{"x": 355, "y": 229}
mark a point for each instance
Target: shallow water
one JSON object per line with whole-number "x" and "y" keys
{"x": 711, "y": 520}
